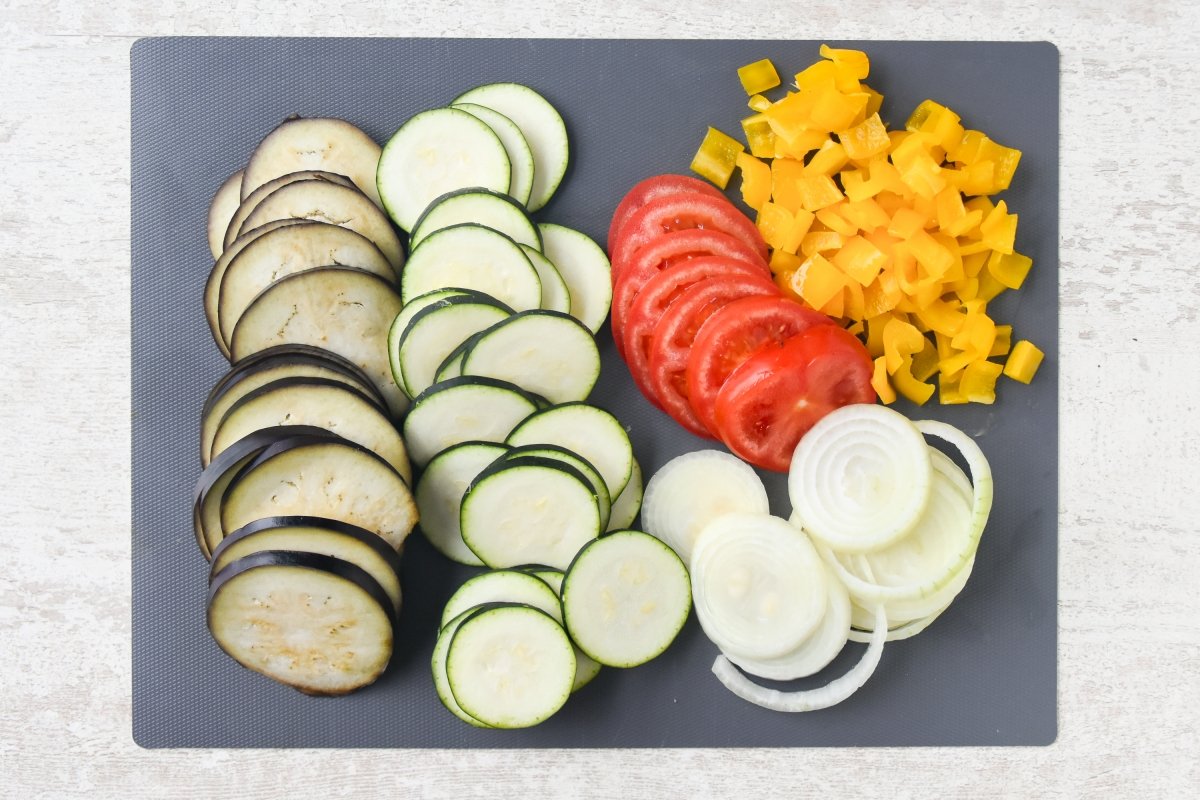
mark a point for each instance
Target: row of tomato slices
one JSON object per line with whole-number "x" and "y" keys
{"x": 708, "y": 336}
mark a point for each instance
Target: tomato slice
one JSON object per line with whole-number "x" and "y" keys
{"x": 667, "y": 251}
{"x": 653, "y": 188}
{"x": 680, "y": 212}
{"x": 658, "y": 295}
{"x": 734, "y": 333}
{"x": 671, "y": 339}
{"x": 773, "y": 399}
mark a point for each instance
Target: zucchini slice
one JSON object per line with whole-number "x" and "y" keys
{"x": 284, "y": 361}
{"x": 481, "y": 207}
{"x": 439, "y": 495}
{"x": 322, "y": 403}
{"x": 313, "y": 622}
{"x": 546, "y": 352}
{"x": 510, "y": 666}
{"x": 316, "y": 535}
{"x": 591, "y": 432}
{"x": 286, "y": 251}
{"x": 626, "y": 597}
{"x": 555, "y": 294}
{"x": 462, "y": 410}
{"x": 520, "y": 155}
{"x": 434, "y": 332}
{"x": 502, "y": 586}
{"x": 542, "y": 127}
{"x": 628, "y": 503}
{"x": 470, "y": 256}
{"x": 529, "y": 510}
{"x": 325, "y": 201}
{"x": 326, "y": 477}
{"x": 441, "y": 682}
{"x": 237, "y": 222}
{"x": 556, "y": 453}
{"x": 584, "y": 268}
{"x": 332, "y": 145}
{"x": 224, "y": 203}
{"x": 344, "y": 310}
{"x": 436, "y": 152}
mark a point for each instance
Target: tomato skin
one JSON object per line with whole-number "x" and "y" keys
{"x": 665, "y": 252}
{"x": 659, "y": 293}
{"x": 733, "y": 334}
{"x": 678, "y": 212}
{"x": 672, "y": 338}
{"x": 769, "y": 402}
{"x": 650, "y": 189}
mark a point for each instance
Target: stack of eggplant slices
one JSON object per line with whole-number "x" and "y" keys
{"x": 351, "y": 362}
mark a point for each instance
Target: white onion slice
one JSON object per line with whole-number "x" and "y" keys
{"x": 828, "y": 695}
{"x": 897, "y": 634}
{"x": 817, "y": 650}
{"x": 860, "y": 478}
{"x": 758, "y": 586}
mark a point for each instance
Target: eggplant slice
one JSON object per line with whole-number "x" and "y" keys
{"x": 286, "y": 251}
{"x": 224, "y": 204}
{"x": 216, "y": 477}
{"x": 322, "y": 403}
{"x": 237, "y": 227}
{"x": 347, "y": 311}
{"x": 285, "y": 361}
{"x": 313, "y": 622}
{"x": 212, "y": 287}
{"x": 324, "y": 201}
{"x": 311, "y": 144}
{"x": 316, "y": 535}
{"x": 326, "y": 477}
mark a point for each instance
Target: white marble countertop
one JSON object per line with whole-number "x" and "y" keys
{"x": 1129, "y": 635}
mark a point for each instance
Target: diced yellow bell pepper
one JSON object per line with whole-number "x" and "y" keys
{"x": 828, "y": 160}
{"x": 874, "y": 100}
{"x": 786, "y": 174}
{"x": 758, "y": 77}
{"x": 1004, "y": 161}
{"x": 900, "y": 340}
{"x": 821, "y": 75}
{"x": 834, "y": 111}
{"x": 860, "y": 260}
{"x": 820, "y": 242}
{"x": 756, "y": 180}
{"x": 759, "y": 136}
{"x": 716, "y": 157}
{"x": 1024, "y": 361}
{"x": 905, "y": 223}
{"x": 854, "y": 302}
{"x": 999, "y": 228}
{"x": 1009, "y": 269}
{"x": 818, "y": 281}
{"x": 792, "y": 114}
{"x": 879, "y": 382}
{"x": 875, "y": 328}
{"x": 774, "y": 222}
{"x": 881, "y": 296}
{"x": 865, "y": 140}
{"x": 924, "y": 361}
{"x": 866, "y": 214}
{"x": 855, "y": 62}
{"x": 909, "y": 387}
{"x": 758, "y": 103}
{"x": 930, "y": 254}
{"x": 817, "y": 191}
{"x": 948, "y": 393}
{"x": 832, "y": 218}
{"x": 943, "y": 316}
{"x": 783, "y": 261}
{"x": 924, "y": 110}
{"x": 1003, "y": 341}
{"x": 978, "y": 381}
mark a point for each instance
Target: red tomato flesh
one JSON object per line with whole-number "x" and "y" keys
{"x": 671, "y": 339}
{"x": 668, "y": 251}
{"x": 734, "y": 333}
{"x": 769, "y": 402}
{"x": 651, "y": 189}
{"x": 680, "y": 212}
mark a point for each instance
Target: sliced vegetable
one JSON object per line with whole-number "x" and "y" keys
{"x": 434, "y": 332}
{"x": 220, "y": 210}
{"x": 440, "y": 491}
{"x": 546, "y": 352}
{"x": 470, "y": 256}
{"x": 236, "y": 223}
{"x": 462, "y": 410}
{"x": 479, "y": 206}
{"x": 520, "y": 154}
{"x": 592, "y": 432}
{"x": 502, "y": 586}
{"x": 584, "y": 269}
{"x": 627, "y": 505}
{"x": 650, "y": 189}
{"x": 332, "y": 145}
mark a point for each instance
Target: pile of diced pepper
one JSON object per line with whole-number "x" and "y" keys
{"x": 892, "y": 232}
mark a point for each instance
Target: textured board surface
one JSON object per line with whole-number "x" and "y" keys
{"x": 983, "y": 674}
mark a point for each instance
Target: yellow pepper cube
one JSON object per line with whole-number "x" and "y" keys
{"x": 758, "y": 77}
{"x": 866, "y": 214}
{"x": 978, "y": 381}
{"x": 774, "y": 221}
{"x": 950, "y": 209}
{"x": 820, "y": 242}
{"x": 924, "y": 362}
{"x": 835, "y": 307}
{"x": 999, "y": 229}
{"x": 966, "y": 289}
{"x": 1009, "y": 269}
{"x": 874, "y": 100}
{"x": 785, "y": 280}
{"x": 930, "y": 254}
{"x": 860, "y": 260}
{"x": 978, "y": 179}
{"x": 948, "y": 393}
{"x": 818, "y": 281}
{"x": 802, "y": 222}
{"x": 716, "y": 157}
{"x": 792, "y": 114}
{"x": 854, "y": 304}
{"x": 1002, "y": 344}
{"x": 828, "y": 160}
{"x": 786, "y": 174}
{"x": 905, "y": 223}
{"x": 783, "y": 261}
{"x": 756, "y": 180}
{"x": 1024, "y": 361}
{"x": 759, "y": 136}
{"x": 817, "y": 191}
{"x": 969, "y": 149}
{"x": 925, "y": 110}
{"x": 1004, "y": 161}
{"x": 834, "y": 111}
{"x": 854, "y": 61}
{"x": 865, "y": 140}
{"x": 832, "y": 218}
{"x": 821, "y": 75}
{"x": 881, "y": 296}
{"x": 900, "y": 340}
{"x": 759, "y": 103}
{"x": 879, "y": 382}
{"x": 908, "y": 387}
{"x": 943, "y": 316}
{"x": 922, "y": 174}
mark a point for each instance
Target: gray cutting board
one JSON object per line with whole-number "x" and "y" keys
{"x": 984, "y": 674}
